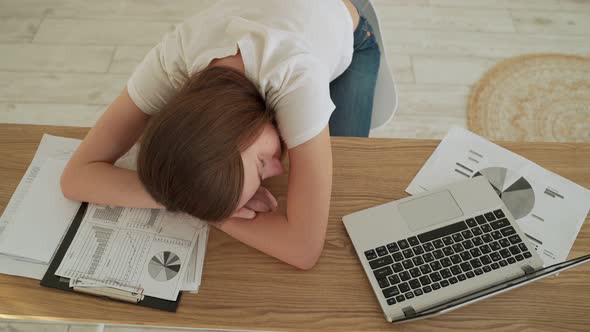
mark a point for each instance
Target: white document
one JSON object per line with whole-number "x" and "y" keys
{"x": 49, "y": 147}
{"x": 192, "y": 279}
{"x": 145, "y": 248}
{"x": 548, "y": 208}
{"x": 15, "y": 267}
{"x": 43, "y": 218}
{"x": 189, "y": 283}
{"x": 202, "y": 248}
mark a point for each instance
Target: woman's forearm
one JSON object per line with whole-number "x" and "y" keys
{"x": 103, "y": 183}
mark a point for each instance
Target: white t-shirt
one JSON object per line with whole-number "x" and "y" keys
{"x": 291, "y": 50}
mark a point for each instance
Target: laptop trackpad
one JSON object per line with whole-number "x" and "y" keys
{"x": 429, "y": 210}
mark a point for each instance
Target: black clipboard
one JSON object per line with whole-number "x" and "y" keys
{"x": 53, "y": 281}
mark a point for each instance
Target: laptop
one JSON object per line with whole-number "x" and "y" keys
{"x": 434, "y": 252}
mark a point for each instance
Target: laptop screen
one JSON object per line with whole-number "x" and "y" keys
{"x": 496, "y": 289}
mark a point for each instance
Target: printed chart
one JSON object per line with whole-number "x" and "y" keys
{"x": 164, "y": 266}
{"x": 548, "y": 208}
{"x": 514, "y": 190}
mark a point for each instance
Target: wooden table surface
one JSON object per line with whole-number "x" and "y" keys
{"x": 245, "y": 289}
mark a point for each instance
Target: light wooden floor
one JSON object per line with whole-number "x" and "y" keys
{"x": 63, "y": 61}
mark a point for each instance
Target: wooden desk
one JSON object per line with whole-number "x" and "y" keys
{"x": 244, "y": 289}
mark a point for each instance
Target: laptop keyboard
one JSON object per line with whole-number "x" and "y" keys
{"x": 448, "y": 255}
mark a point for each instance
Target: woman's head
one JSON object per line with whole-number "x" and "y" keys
{"x": 205, "y": 152}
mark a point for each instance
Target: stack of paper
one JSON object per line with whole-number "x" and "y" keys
{"x": 37, "y": 215}
{"x": 150, "y": 249}
{"x": 158, "y": 251}
{"x": 548, "y": 208}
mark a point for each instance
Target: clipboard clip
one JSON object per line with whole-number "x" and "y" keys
{"x": 107, "y": 288}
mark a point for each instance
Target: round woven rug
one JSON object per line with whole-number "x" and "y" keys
{"x": 534, "y": 98}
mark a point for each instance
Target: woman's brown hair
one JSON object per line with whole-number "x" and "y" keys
{"x": 189, "y": 158}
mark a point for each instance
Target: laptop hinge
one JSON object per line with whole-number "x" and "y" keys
{"x": 527, "y": 269}
{"x": 409, "y": 312}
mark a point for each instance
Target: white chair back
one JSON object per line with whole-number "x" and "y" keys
{"x": 385, "y": 101}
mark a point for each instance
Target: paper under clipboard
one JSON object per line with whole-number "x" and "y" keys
{"x": 124, "y": 293}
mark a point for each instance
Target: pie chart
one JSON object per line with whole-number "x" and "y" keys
{"x": 513, "y": 189}
{"x": 164, "y": 266}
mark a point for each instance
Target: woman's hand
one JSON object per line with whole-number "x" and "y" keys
{"x": 262, "y": 201}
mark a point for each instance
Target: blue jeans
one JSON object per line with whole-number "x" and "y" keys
{"x": 353, "y": 91}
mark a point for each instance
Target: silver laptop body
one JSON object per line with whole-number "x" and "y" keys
{"x": 428, "y": 220}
